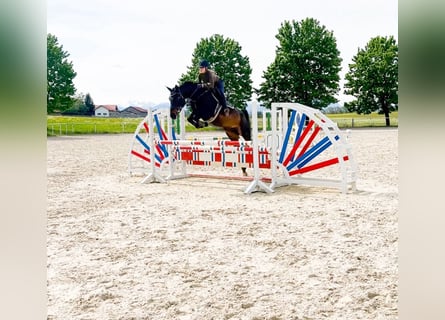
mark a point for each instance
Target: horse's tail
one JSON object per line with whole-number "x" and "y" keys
{"x": 245, "y": 125}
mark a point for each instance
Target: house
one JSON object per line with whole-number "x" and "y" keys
{"x": 133, "y": 112}
{"x": 106, "y": 110}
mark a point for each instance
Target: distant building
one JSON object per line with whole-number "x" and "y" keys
{"x": 133, "y": 112}
{"x": 106, "y": 110}
{"x": 112, "y": 111}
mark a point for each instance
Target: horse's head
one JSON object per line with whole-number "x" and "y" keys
{"x": 177, "y": 101}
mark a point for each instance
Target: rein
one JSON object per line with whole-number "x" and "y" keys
{"x": 193, "y": 93}
{"x": 190, "y": 97}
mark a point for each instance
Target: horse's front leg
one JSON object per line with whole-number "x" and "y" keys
{"x": 193, "y": 119}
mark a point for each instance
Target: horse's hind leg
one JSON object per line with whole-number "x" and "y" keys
{"x": 232, "y": 134}
{"x": 245, "y": 126}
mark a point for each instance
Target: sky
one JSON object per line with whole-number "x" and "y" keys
{"x": 127, "y": 52}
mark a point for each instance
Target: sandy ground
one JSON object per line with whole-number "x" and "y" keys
{"x": 202, "y": 249}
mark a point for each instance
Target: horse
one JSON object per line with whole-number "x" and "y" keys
{"x": 205, "y": 105}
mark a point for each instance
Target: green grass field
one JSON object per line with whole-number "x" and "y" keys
{"x": 64, "y": 125}
{"x": 68, "y": 125}
{"x": 354, "y": 120}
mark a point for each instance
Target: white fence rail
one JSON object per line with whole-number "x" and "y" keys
{"x": 76, "y": 128}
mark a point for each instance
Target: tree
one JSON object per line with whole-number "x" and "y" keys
{"x": 60, "y": 75}
{"x": 89, "y": 104}
{"x": 306, "y": 66}
{"x": 82, "y": 105}
{"x": 78, "y": 106}
{"x": 224, "y": 56}
{"x": 373, "y": 78}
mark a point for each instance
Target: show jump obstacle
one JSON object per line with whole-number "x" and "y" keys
{"x": 301, "y": 146}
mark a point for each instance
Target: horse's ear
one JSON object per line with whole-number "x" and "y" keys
{"x": 169, "y": 89}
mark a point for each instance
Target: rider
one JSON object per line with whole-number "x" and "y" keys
{"x": 208, "y": 79}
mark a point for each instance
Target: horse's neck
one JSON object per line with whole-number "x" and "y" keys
{"x": 188, "y": 91}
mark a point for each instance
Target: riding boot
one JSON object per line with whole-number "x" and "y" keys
{"x": 223, "y": 102}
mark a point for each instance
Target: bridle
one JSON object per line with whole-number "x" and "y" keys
{"x": 177, "y": 91}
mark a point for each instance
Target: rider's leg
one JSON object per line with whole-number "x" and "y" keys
{"x": 222, "y": 97}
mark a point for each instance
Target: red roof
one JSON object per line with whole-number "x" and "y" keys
{"x": 109, "y": 107}
{"x": 138, "y": 109}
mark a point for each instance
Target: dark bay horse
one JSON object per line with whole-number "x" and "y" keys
{"x": 205, "y": 105}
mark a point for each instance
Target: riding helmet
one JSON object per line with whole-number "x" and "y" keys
{"x": 204, "y": 63}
